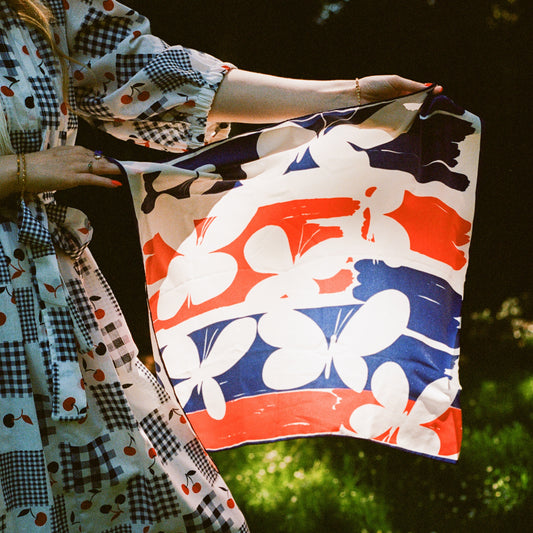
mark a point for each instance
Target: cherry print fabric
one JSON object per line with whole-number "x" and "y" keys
{"x": 89, "y": 440}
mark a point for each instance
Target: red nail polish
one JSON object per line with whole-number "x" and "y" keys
{"x": 428, "y": 84}
{"x": 116, "y": 183}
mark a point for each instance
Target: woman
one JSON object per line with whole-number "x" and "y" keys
{"x": 88, "y": 440}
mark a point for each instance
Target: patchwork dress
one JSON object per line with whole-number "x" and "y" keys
{"x": 89, "y": 441}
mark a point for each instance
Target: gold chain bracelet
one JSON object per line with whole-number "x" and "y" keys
{"x": 358, "y": 91}
{"x": 21, "y": 173}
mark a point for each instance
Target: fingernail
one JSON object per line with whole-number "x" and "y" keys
{"x": 428, "y": 84}
{"x": 116, "y": 183}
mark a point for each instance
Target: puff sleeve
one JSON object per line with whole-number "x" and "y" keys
{"x": 134, "y": 85}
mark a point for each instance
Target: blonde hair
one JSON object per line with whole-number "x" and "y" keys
{"x": 35, "y": 14}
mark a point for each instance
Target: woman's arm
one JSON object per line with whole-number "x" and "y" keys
{"x": 260, "y": 98}
{"x": 63, "y": 167}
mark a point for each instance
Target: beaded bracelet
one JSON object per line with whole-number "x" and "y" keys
{"x": 358, "y": 91}
{"x": 21, "y": 173}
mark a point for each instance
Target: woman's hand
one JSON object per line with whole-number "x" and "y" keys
{"x": 59, "y": 168}
{"x": 377, "y": 88}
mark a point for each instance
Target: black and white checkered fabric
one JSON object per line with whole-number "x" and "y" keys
{"x": 44, "y": 412}
{"x": 201, "y": 460}
{"x": 26, "y": 311}
{"x": 46, "y": 99}
{"x": 82, "y": 324}
{"x": 152, "y": 499}
{"x": 3, "y": 520}
{"x": 154, "y": 132}
{"x": 34, "y": 234}
{"x": 100, "y": 34}
{"x": 94, "y": 104}
{"x": 14, "y": 373}
{"x": 128, "y": 65}
{"x": 162, "y": 394}
{"x": 5, "y": 277}
{"x": 26, "y": 141}
{"x": 79, "y": 297}
{"x": 123, "y": 528}
{"x": 166, "y": 444}
{"x": 113, "y": 406}
{"x": 119, "y": 343}
{"x": 172, "y": 69}
{"x": 61, "y": 333}
{"x": 59, "y": 516}
{"x": 7, "y": 60}
{"x": 47, "y": 56}
{"x": 23, "y": 478}
{"x": 89, "y": 467}
{"x": 208, "y": 517}
{"x": 108, "y": 291}
{"x": 154, "y": 110}
{"x": 58, "y": 10}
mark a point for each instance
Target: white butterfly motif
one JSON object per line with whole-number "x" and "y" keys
{"x": 391, "y": 389}
{"x": 218, "y": 357}
{"x": 304, "y": 352}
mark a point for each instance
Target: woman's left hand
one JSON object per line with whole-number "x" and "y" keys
{"x": 377, "y": 88}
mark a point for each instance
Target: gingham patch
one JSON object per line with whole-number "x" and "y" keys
{"x": 244, "y": 528}
{"x": 157, "y": 108}
{"x": 26, "y": 312}
{"x": 5, "y": 278}
{"x": 119, "y": 343}
{"x": 164, "y": 441}
{"x": 23, "y": 478}
{"x": 83, "y": 305}
{"x": 7, "y": 62}
{"x": 113, "y": 406}
{"x": 129, "y": 65}
{"x": 162, "y": 133}
{"x": 44, "y": 412}
{"x": 108, "y": 291}
{"x": 3, "y": 519}
{"x": 152, "y": 499}
{"x": 89, "y": 467}
{"x": 162, "y": 394}
{"x": 58, "y": 10}
{"x": 100, "y": 34}
{"x": 59, "y": 516}
{"x": 26, "y": 141}
{"x": 45, "y": 95}
{"x": 201, "y": 461}
{"x": 94, "y": 105}
{"x": 60, "y": 331}
{"x": 208, "y": 517}
{"x": 14, "y": 373}
{"x": 172, "y": 69}
{"x": 46, "y": 54}
{"x": 124, "y": 528}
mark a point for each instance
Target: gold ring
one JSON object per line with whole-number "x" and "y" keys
{"x": 98, "y": 154}
{"x": 90, "y": 167}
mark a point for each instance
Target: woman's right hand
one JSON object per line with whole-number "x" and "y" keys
{"x": 59, "y": 168}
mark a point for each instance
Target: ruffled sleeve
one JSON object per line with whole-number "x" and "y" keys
{"x": 135, "y": 86}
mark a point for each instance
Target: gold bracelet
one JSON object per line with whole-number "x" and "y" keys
{"x": 358, "y": 91}
{"x": 21, "y": 173}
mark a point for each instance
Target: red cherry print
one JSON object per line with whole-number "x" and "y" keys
{"x": 3, "y": 318}
{"x": 65, "y": 4}
{"x": 110, "y": 76}
{"x": 99, "y": 313}
{"x": 130, "y": 450}
{"x": 152, "y": 453}
{"x": 78, "y": 75}
{"x": 6, "y": 91}
{"x": 68, "y": 403}
{"x": 190, "y": 103}
{"x": 40, "y": 519}
{"x": 143, "y": 96}
{"x": 86, "y": 504}
{"x": 231, "y": 503}
{"x": 185, "y": 489}
{"x": 99, "y": 375}
{"x": 196, "y": 488}
{"x": 136, "y": 34}
{"x": 25, "y": 50}
{"x": 183, "y": 420}
{"x": 64, "y": 108}
{"x": 82, "y": 384}
{"x": 108, "y": 5}
{"x": 38, "y": 54}
{"x": 126, "y": 99}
